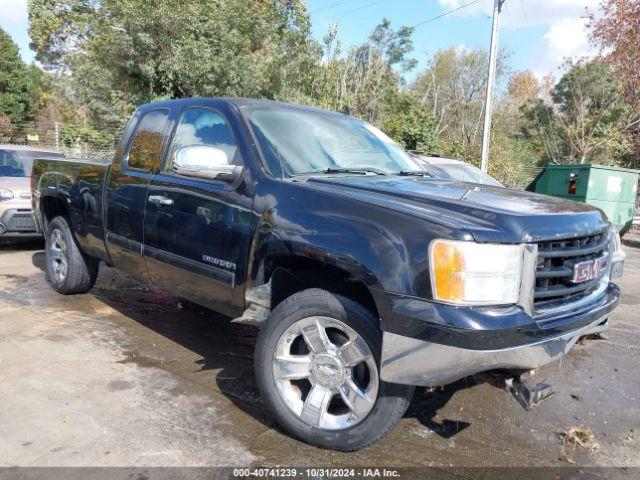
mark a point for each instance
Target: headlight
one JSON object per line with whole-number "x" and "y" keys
{"x": 617, "y": 254}
{"x": 468, "y": 273}
{"x": 5, "y": 195}
{"x": 616, "y": 243}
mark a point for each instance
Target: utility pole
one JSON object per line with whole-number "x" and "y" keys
{"x": 56, "y": 133}
{"x": 486, "y": 132}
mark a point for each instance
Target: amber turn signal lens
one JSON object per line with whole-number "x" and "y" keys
{"x": 470, "y": 273}
{"x": 447, "y": 269}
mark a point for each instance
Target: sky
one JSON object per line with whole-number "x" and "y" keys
{"x": 539, "y": 34}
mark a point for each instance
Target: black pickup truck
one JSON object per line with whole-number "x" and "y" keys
{"x": 367, "y": 275}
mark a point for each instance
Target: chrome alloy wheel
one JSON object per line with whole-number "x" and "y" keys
{"x": 58, "y": 256}
{"x": 325, "y": 373}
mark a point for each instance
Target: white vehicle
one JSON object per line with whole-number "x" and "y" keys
{"x": 446, "y": 167}
{"x": 16, "y": 218}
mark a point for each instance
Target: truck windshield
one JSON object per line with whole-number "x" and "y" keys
{"x": 297, "y": 142}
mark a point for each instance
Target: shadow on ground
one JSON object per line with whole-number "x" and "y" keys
{"x": 12, "y": 246}
{"x": 227, "y": 347}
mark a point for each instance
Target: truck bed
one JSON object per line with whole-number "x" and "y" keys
{"x": 78, "y": 182}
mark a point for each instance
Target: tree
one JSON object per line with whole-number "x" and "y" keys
{"x": 588, "y": 120}
{"x": 523, "y": 87}
{"x": 125, "y": 52}
{"x": 366, "y": 78}
{"x": 59, "y": 30}
{"x": 17, "y": 90}
{"x": 452, "y": 89}
{"x": 616, "y": 30}
{"x": 411, "y": 126}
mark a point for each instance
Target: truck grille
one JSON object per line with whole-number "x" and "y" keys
{"x": 555, "y": 266}
{"x": 22, "y": 222}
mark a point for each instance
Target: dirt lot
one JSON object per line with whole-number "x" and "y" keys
{"x": 126, "y": 377}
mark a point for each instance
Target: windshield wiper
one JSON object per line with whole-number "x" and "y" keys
{"x": 332, "y": 170}
{"x": 414, "y": 173}
{"x": 363, "y": 170}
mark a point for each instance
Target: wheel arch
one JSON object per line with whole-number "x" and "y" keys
{"x": 281, "y": 275}
{"x": 52, "y": 206}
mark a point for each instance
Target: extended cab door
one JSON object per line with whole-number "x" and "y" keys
{"x": 197, "y": 229}
{"x": 126, "y": 191}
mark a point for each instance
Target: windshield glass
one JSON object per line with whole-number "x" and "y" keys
{"x": 464, "y": 173}
{"x": 18, "y": 163}
{"x": 299, "y": 142}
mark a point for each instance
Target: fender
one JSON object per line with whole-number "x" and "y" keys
{"x": 328, "y": 231}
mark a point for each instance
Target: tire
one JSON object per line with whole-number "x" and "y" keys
{"x": 68, "y": 270}
{"x": 329, "y": 395}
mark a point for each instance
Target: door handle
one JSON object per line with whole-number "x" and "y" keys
{"x": 205, "y": 214}
{"x": 160, "y": 200}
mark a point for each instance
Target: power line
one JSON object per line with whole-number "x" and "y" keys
{"x": 446, "y": 13}
{"x": 330, "y": 5}
{"x": 370, "y": 4}
{"x": 413, "y": 26}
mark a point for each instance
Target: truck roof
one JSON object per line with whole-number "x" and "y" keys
{"x": 238, "y": 102}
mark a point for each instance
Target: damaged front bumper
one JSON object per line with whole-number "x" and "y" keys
{"x": 441, "y": 354}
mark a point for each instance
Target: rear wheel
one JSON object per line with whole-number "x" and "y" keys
{"x": 68, "y": 270}
{"x": 317, "y": 367}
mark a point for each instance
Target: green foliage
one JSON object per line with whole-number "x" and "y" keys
{"x": 587, "y": 119}
{"x": 393, "y": 47}
{"x": 364, "y": 79}
{"x": 540, "y": 127}
{"x": 411, "y": 126}
{"x": 116, "y": 55}
{"x": 513, "y": 160}
{"x": 58, "y": 29}
{"x": 452, "y": 89}
{"x": 17, "y": 89}
{"x": 72, "y": 134}
{"x": 102, "y": 59}
{"x": 111, "y": 56}
{"x": 615, "y": 28}
{"x": 169, "y": 49}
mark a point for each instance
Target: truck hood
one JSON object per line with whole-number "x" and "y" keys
{"x": 488, "y": 214}
{"x": 17, "y": 185}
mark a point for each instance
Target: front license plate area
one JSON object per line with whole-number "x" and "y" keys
{"x": 616, "y": 268}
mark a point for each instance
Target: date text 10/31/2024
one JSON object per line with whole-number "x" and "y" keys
{"x": 315, "y": 473}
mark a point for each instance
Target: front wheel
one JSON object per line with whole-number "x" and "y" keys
{"x": 316, "y": 365}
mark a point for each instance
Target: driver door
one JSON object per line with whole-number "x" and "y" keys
{"x": 193, "y": 246}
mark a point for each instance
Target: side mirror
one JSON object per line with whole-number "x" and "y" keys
{"x": 206, "y": 162}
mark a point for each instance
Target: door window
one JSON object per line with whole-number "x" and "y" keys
{"x": 204, "y": 126}
{"x": 147, "y": 142}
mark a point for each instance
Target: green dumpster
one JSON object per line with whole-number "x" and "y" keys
{"x": 611, "y": 189}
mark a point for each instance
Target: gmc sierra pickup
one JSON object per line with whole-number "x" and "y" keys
{"x": 368, "y": 275}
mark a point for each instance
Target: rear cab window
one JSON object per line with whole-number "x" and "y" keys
{"x": 146, "y": 145}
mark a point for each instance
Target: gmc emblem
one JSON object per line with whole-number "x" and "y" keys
{"x": 588, "y": 270}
